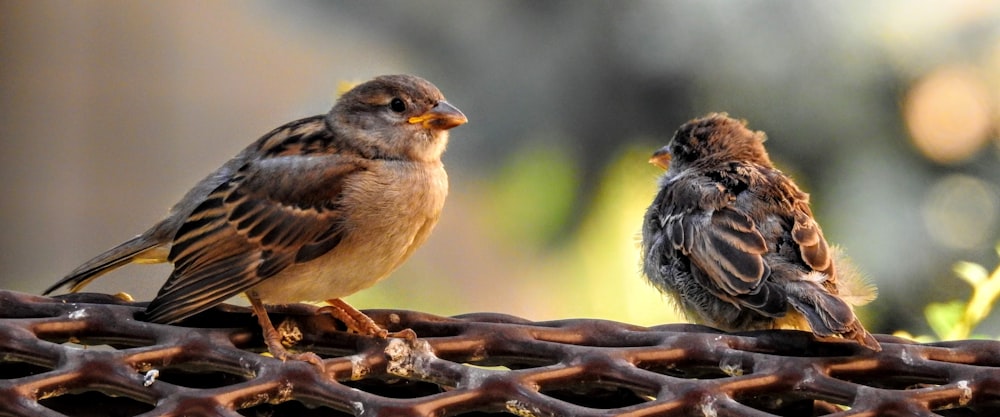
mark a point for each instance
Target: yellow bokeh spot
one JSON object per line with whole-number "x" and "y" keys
{"x": 961, "y": 211}
{"x": 344, "y": 86}
{"x": 949, "y": 114}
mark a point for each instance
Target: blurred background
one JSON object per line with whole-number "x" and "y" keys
{"x": 887, "y": 113}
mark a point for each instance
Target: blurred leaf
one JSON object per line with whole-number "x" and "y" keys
{"x": 972, "y": 273}
{"x": 533, "y": 195}
{"x": 603, "y": 264}
{"x": 344, "y": 86}
{"x": 984, "y": 295}
{"x": 944, "y": 319}
{"x": 957, "y": 319}
{"x": 919, "y": 339}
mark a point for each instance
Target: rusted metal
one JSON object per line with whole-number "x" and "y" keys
{"x": 87, "y": 355}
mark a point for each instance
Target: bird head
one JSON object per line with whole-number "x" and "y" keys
{"x": 713, "y": 139}
{"x": 397, "y": 116}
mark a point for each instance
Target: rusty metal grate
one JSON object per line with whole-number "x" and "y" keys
{"x": 85, "y": 355}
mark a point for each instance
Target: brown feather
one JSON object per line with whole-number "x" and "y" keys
{"x": 744, "y": 250}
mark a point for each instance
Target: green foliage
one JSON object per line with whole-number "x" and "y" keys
{"x": 602, "y": 263}
{"x": 957, "y": 319}
{"x": 533, "y": 195}
{"x": 944, "y": 317}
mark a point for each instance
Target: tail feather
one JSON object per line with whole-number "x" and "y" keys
{"x": 828, "y": 315}
{"x": 142, "y": 249}
{"x": 860, "y": 335}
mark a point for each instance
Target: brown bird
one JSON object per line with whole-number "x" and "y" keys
{"x": 734, "y": 242}
{"x": 315, "y": 210}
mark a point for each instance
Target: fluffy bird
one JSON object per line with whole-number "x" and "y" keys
{"x": 315, "y": 210}
{"x": 734, "y": 242}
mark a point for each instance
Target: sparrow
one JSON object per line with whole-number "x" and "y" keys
{"x": 314, "y": 210}
{"x": 733, "y": 240}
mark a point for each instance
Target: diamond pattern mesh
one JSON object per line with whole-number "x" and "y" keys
{"x": 86, "y": 355}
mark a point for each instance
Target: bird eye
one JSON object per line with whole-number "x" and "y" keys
{"x": 397, "y": 105}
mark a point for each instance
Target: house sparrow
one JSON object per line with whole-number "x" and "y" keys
{"x": 315, "y": 210}
{"x": 734, "y": 242}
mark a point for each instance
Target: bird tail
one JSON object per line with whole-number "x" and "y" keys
{"x": 142, "y": 249}
{"x": 860, "y": 335}
{"x": 827, "y": 314}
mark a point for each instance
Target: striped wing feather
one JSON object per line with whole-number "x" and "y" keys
{"x": 273, "y": 213}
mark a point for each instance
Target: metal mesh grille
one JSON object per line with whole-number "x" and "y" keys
{"x": 86, "y": 355}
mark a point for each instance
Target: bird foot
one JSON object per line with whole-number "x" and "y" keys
{"x": 406, "y": 334}
{"x": 355, "y": 320}
{"x": 276, "y": 349}
{"x": 273, "y": 338}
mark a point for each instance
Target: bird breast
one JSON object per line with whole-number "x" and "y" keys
{"x": 389, "y": 211}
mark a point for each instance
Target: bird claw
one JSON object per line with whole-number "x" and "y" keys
{"x": 273, "y": 338}
{"x": 279, "y": 352}
{"x": 312, "y": 358}
{"x": 355, "y": 320}
{"x": 406, "y": 334}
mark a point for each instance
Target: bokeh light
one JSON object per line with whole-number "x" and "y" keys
{"x": 960, "y": 211}
{"x": 949, "y": 114}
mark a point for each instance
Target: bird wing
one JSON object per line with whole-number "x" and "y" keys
{"x": 720, "y": 240}
{"x": 272, "y": 213}
{"x": 813, "y": 248}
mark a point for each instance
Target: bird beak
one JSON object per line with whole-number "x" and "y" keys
{"x": 442, "y": 116}
{"x": 661, "y": 158}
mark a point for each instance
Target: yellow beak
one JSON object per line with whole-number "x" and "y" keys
{"x": 661, "y": 158}
{"x": 442, "y": 116}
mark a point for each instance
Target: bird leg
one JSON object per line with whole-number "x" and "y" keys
{"x": 273, "y": 339}
{"x": 360, "y": 323}
{"x": 355, "y": 320}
